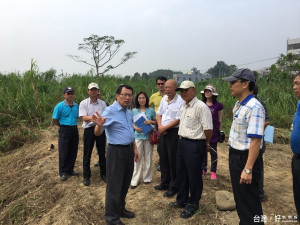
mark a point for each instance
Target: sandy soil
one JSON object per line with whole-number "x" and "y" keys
{"x": 32, "y": 193}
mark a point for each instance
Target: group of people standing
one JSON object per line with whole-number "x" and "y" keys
{"x": 189, "y": 128}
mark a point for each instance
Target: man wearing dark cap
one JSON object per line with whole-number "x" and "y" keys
{"x": 245, "y": 142}
{"x": 87, "y": 108}
{"x": 65, "y": 116}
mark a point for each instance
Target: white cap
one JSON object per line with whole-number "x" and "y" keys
{"x": 93, "y": 85}
{"x": 185, "y": 85}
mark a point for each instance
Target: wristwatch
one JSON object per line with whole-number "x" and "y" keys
{"x": 247, "y": 171}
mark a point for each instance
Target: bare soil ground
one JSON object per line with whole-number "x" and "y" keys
{"x": 32, "y": 193}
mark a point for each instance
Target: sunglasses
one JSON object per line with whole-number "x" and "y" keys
{"x": 70, "y": 93}
{"x": 160, "y": 83}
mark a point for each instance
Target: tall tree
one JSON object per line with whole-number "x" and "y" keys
{"x": 221, "y": 69}
{"x": 103, "y": 49}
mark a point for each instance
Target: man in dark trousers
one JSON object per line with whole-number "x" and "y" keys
{"x": 168, "y": 117}
{"x": 117, "y": 121}
{"x": 295, "y": 145}
{"x": 65, "y": 116}
{"x": 195, "y": 130}
{"x": 245, "y": 142}
{"x": 86, "y": 109}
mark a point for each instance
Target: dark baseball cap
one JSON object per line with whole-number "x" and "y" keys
{"x": 245, "y": 74}
{"x": 68, "y": 89}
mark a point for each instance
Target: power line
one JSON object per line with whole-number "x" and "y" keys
{"x": 258, "y": 61}
{"x": 244, "y": 63}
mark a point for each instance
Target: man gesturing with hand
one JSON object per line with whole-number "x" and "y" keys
{"x": 117, "y": 121}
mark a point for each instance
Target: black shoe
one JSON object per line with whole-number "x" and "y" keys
{"x": 176, "y": 205}
{"x": 127, "y": 214}
{"x": 170, "y": 193}
{"x": 121, "y": 223}
{"x": 86, "y": 181}
{"x": 63, "y": 177}
{"x": 160, "y": 188}
{"x": 132, "y": 187}
{"x": 74, "y": 174}
{"x": 103, "y": 177}
{"x": 186, "y": 214}
{"x": 262, "y": 198}
{"x": 96, "y": 164}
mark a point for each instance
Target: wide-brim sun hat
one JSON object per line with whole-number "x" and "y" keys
{"x": 211, "y": 88}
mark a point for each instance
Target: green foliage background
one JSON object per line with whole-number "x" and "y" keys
{"x": 27, "y": 100}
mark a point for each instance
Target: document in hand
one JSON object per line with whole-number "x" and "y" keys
{"x": 145, "y": 127}
{"x": 269, "y": 134}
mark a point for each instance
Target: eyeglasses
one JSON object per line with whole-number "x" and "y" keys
{"x": 160, "y": 84}
{"x": 126, "y": 95}
{"x": 70, "y": 93}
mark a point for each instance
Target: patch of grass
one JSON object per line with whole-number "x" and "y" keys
{"x": 18, "y": 213}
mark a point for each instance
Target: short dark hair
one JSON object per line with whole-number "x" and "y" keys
{"x": 119, "y": 89}
{"x": 137, "y": 104}
{"x": 255, "y": 90}
{"x": 298, "y": 74}
{"x": 251, "y": 84}
{"x": 161, "y": 78}
{"x": 214, "y": 98}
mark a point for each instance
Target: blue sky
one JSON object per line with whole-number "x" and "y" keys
{"x": 167, "y": 34}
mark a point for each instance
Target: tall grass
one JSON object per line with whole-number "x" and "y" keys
{"x": 27, "y": 100}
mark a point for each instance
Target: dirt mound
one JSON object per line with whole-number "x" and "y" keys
{"x": 32, "y": 193}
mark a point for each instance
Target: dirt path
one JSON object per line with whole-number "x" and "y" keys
{"x": 32, "y": 193}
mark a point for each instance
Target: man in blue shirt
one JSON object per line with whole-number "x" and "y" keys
{"x": 65, "y": 116}
{"x": 117, "y": 121}
{"x": 245, "y": 142}
{"x": 295, "y": 145}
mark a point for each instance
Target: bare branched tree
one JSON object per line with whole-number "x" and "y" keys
{"x": 103, "y": 49}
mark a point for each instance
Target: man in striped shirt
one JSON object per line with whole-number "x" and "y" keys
{"x": 195, "y": 130}
{"x": 245, "y": 142}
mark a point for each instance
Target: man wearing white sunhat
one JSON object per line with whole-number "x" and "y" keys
{"x": 87, "y": 108}
{"x": 195, "y": 130}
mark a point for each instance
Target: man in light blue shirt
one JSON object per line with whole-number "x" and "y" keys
{"x": 295, "y": 145}
{"x": 117, "y": 121}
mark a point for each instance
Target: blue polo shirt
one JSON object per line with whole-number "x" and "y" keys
{"x": 65, "y": 114}
{"x": 118, "y": 125}
{"x": 295, "y": 136}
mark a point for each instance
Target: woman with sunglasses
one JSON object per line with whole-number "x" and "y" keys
{"x": 143, "y": 144}
{"x": 209, "y": 97}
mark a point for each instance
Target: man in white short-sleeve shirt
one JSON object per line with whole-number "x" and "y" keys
{"x": 168, "y": 117}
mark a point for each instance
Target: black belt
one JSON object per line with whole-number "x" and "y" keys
{"x": 237, "y": 151}
{"x": 123, "y": 146}
{"x": 297, "y": 156}
{"x": 187, "y": 139}
{"x": 75, "y": 126}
